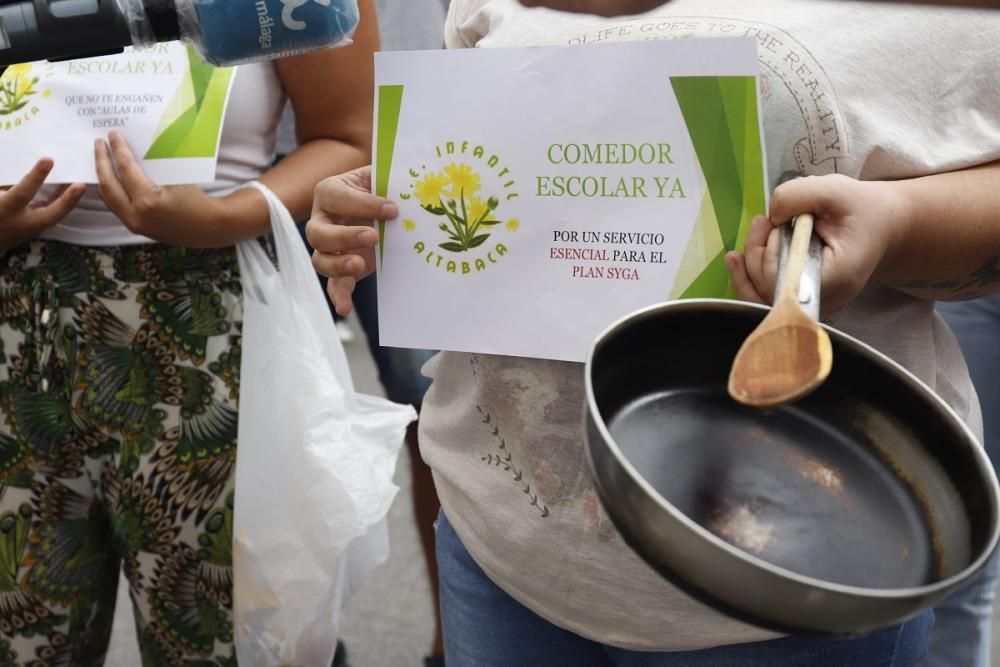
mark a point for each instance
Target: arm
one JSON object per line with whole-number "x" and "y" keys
{"x": 949, "y": 244}
{"x": 331, "y": 92}
{"x": 934, "y": 237}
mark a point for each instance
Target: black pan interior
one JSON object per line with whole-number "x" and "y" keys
{"x": 783, "y": 485}
{"x": 805, "y": 486}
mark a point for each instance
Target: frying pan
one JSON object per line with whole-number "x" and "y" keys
{"x": 853, "y": 509}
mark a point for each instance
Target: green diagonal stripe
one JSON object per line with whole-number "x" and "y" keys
{"x": 166, "y": 144}
{"x": 203, "y": 138}
{"x": 201, "y": 73}
{"x": 195, "y": 133}
{"x": 713, "y": 281}
{"x": 703, "y": 107}
{"x": 754, "y": 185}
{"x": 722, "y": 119}
{"x": 390, "y": 102}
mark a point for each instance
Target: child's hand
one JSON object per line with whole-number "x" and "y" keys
{"x": 20, "y": 219}
{"x": 341, "y": 232}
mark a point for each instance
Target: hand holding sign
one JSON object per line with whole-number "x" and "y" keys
{"x": 182, "y": 215}
{"x": 340, "y": 231}
{"x": 20, "y": 219}
{"x": 167, "y": 103}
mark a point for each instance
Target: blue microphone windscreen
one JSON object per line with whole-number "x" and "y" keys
{"x": 230, "y": 32}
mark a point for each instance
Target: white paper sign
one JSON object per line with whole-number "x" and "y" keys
{"x": 164, "y": 100}
{"x": 546, "y": 192}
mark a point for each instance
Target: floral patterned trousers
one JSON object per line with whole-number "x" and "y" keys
{"x": 119, "y": 377}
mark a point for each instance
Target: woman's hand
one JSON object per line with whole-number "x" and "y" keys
{"x": 20, "y": 219}
{"x": 858, "y": 221}
{"x": 175, "y": 215}
{"x": 341, "y": 233}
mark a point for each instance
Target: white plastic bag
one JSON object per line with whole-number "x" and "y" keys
{"x": 314, "y": 465}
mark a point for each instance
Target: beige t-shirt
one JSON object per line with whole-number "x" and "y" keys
{"x": 869, "y": 90}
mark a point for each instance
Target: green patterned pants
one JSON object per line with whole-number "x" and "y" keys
{"x": 119, "y": 375}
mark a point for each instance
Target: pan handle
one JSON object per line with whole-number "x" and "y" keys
{"x": 809, "y": 286}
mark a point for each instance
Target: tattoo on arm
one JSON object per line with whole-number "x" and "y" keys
{"x": 982, "y": 281}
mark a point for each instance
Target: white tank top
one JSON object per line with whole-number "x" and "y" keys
{"x": 246, "y": 150}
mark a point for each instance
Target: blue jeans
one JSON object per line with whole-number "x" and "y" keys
{"x": 485, "y": 627}
{"x": 961, "y": 636}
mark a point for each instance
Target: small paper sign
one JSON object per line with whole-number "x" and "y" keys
{"x": 546, "y": 192}
{"x": 164, "y": 100}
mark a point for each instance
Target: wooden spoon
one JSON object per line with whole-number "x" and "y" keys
{"x": 789, "y": 354}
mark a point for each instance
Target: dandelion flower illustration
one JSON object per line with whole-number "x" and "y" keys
{"x": 16, "y": 85}
{"x": 17, "y": 71}
{"x": 462, "y": 179}
{"x": 465, "y": 215}
{"x": 23, "y": 86}
{"x": 513, "y": 225}
{"x": 477, "y": 208}
{"x": 428, "y": 189}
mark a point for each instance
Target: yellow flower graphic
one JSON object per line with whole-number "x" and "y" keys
{"x": 477, "y": 208}
{"x": 513, "y": 225}
{"x": 16, "y": 86}
{"x": 453, "y": 194}
{"x": 16, "y": 71}
{"x": 23, "y": 85}
{"x": 462, "y": 179}
{"x": 428, "y": 189}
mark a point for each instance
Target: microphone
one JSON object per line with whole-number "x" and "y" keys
{"x": 224, "y": 32}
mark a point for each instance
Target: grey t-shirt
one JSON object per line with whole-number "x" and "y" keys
{"x": 869, "y": 90}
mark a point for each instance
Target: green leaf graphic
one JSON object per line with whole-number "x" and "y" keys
{"x": 195, "y": 130}
{"x": 722, "y": 118}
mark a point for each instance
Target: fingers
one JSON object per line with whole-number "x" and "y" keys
{"x": 60, "y": 207}
{"x": 742, "y": 285}
{"x": 769, "y": 273}
{"x": 348, "y": 265}
{"x": 760, "y": 256}
{"x": 340, "y": 230}
{"x": 341, "y": 293}
{"x": 812, "y": 194}
{"x": 19, "y": 197}
{"x": 844, "y": 276}
{"x": 338, "y": 199}
{"x": 360, "y": 178}
{"x": 329, "y": 237}
{"x": 109, "y": 187}
{"x": 129, "y": 170}
{"x": 56, "y": 194}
